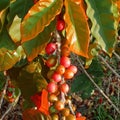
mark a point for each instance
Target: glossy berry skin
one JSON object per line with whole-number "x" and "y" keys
{"x": 78, "y": 114}
{"x": 56, "y": 77}
{"x": 60, "y": 69}
{"x": 55, "y": 117}
{"x": 59, "y": 105}
{"x": 50, "y": 48}
{"x": 65, "y": 61}
{"x": 51, "y": 61}
{"x": 52, "y": 87}
{"x": 64, "y": 88}
{"x": 60, "y": 25}
{"x": 68, "y": 74}
{"x": 73, "y": 68}
{"x": 52, "y": 98}
{"x": 65, "y": 112}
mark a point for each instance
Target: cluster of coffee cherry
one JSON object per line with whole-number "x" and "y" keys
{"x": 61, "y": 70}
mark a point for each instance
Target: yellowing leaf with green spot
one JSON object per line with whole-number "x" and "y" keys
{"x": 38, "y": 17}
{"x": 77, "y": 30}
{"x": 91, "y": 54}
{"x": 14, "y": 30}
{"x": 9, "y": 58}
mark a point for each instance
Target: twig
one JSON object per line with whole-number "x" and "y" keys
{"x": 117, "y": 75}
{"x": 12, "y": 105}
{"x": 117, "y": 56}
{"x": 58, "y": 38}
{"x": 100, "y": 90}
{"x": 4, "y": 90}
{"x": 70, "y": 106}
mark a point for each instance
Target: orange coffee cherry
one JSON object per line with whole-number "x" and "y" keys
{"x": 60, "y": 69}
{"x": 59, "y": 105}
{"x": 68, "y": 74}
{"x": 65, "y": 112}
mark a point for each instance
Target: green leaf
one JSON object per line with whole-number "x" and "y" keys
{"x": 82, "y": 84}
{"x": 96, "y": 69}
{"x": 77, "y": 30}
{"x": 28, "y": 79}
{"x": 14, "y": 30}
{"x": 22, "y": 62}
{"x": 9, "y": 53}
{"x": 19, "y": 8}
{"x": 5, "y": 41}
{"x": 38, "y": 17}
{"x": 35, "y": 46}
{"x": 17, "y": 94}
{"x": 104, "y": 25}
{"x": 2, "y": 18}
{"x": 2, "y": 80}
{"x": 4, "y": 4}
{"x": 9, "y": 58}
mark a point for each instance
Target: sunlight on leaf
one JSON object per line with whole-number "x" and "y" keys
{"x": 14, "y": 30}
{"x": 10, "y": 54}
{"x": 91, "y": 54}
{"x": 9, "y": 58}
{"x": 77, "y": 30}
{"x": 104, "y": 25}
{"x": 36, "y": 46}
{"x": 118, "y": 4}
{"x": 38, "y": 17}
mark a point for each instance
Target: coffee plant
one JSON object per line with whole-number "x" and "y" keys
{"x": 59, "y": 59}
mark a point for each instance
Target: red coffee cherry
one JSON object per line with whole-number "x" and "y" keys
{"x": 65, "y": 61}
{"x": 78, "y": 114}
{"x": 73, "y": 68}
{"x": 50, "y": 48}
{"x": 64, "y": 88}
{"x": 51, "y": 61}
{"x": 52, "y": 87}
{"x": 60, "y": 25}
{"x": 56, "y": 77}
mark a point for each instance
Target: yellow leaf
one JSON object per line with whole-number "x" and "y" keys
{"x": 38, "y": 17}
{"x": 14, "y": 30}
{"x": 77, "y": 30}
